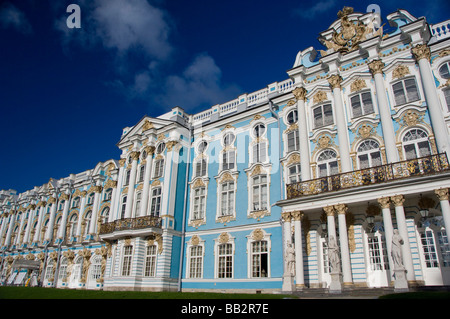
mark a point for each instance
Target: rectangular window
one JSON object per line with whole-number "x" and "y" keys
{"x": 259, "y": 193}
{"x": 293, "y": 141}
{"x": 126, "y": 265}
{"x": 259, "y": 152}
{"x": 227, "y": 198}
{"x": 323, "y": 115}
{"x": 429, "y": 249}
{"x": 228, "y": 160}
{"x": 294, "y": 174}
{"x": 196, "y": 262}
{"x": 141, "y": 173}
{"x": 405, "y": 91}
{"x": 225, "y": 267}
{"x": 447, "y": 98}
{"x": 200, "y": 168}
{"x": 150, "y": 261}
{"x": 159, "y": 168}
{"x": 156, "y": 202}
{"x": 124, "y": 207}
{"x": 259, "y": 259}
{"x": 362, "y": 104}
{"x": 199, "y": 203}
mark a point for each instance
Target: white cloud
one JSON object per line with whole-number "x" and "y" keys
{"x": 199, "y": 84}
{"x": 11, "y": 16}
{"x": 311, "y": 12}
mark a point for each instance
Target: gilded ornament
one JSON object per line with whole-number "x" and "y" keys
{"x": 258, "y": 234}
{"x": 224, "y": 238}
{"x": 444, "y": 52}
{"x": 421, "y": 51}
{"x": 195, "y": 240}
{"x": 398, "y": 200}
{"x": 358, "y": 85}
{"x": 297, "y": 215}
{"x": 319, "y": 97}
{"x": 365, "y": 131}
{"x": 110, "y": 184}
{"x": 335, "y": 81}
{"x": 442, "y": 193}
{"x": 400, "y": 72}
{"x": 324, "y": 141}
{"x": 300, "y": 93}
{"x": 341, "y": 208}
{"x": 198, "y": 183}
{"x": 170, "y": 145}
{"x": 287, "y": 216}
{"x": 376, "y": 67}
{"x": 294, "y": 158}
{"x": 147, "y": 126}
{"x": 385, "y": 202}
{"x": 329, "y": 210}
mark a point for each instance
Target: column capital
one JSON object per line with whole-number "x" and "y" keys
{"x": 64, "y": 196}
{"x": 135, "y": 155}
{"x": 341, "y": 209}
{"x": 335, "y": 81}
{"x": 376, "y": 66}
{"x": 170, "y": 145}
{"x": 297, "y": 215}
{"x": 122, "y": 162}
{"x": 42, "y": 203}
{"x": 329, "y": 210}
{"x": 300, "y": 93}
{"x": 51, "y": 200}
{"x": 286, "y": 216}
{"x": 150, "y": 150}
{"x": 421, "y": 51}
{"x": 398, "y": 200}
{"x": 97, "y": 189}
{"x": 442, "y": 193}
{"x": 385, "y": 202}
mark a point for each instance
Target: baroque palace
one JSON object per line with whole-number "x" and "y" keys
{"x": 336, "y": 178}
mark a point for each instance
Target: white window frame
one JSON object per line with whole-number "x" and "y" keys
{"x": 201, "y": 198}
{"x": 297, "y": 174}
{"x": 219, "y": 259}
{"x": 369, "y": 153}
{"x": 330, "y": 119}
{"x": 362, "y": 106}
{"x": 415, "y": 143}
{"x": 194, "y": 269}
{"x": 151, "y": 260}
{"x": 327, "y": 163}
{"x": 154, "y": 201}
{"x": 158, "y": 170}
{"x": 257, "y": 186}
{"x": 405, "y": 91}
{"x": 126, "y": 261}
{"x": 231, "y": 208}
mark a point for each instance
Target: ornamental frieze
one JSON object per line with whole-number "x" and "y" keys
{"x": 358, "y": 85}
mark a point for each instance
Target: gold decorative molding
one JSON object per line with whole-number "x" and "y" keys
{"x": 398, "y": 200}
{"x": 319, "y": 97}
{"x": 358, "y": 85}
{"x": 376, "y": 67}
{"x": 421, "y": 51}
{"x": 297, "y": 215}
{"x": 195, "y": 240}
{"x": 341, "y": 209}
{"x": 287, "y": 216}
{"x": 258, "y": 214}
{"x": 122, "y": 162}
{"x": 444, "y": 52}
{"x": 224, "y": 238}
{"x": 170, "y": 145}
{"x": 147, "y": 126}
{"x": 110, "y": 184}
{"x": 411, "y": 118}
{"x": 198, "y": 183}
{"x": 294, "y": 158}
{"x": 300, "y": 93}
{"x": 385, "y": 202}
{"x": 258, "y": 234}
{"x": 335, "y": 81}
{"x": 329, "y": 210}
{"x": 442, "y": 193}
{"x": 400, "y": 72}
{"x": 227, "y": 177}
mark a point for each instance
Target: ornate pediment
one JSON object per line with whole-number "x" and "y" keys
{"x": 351, "y": 33}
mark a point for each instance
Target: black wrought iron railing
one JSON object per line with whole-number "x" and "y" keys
{"x": 428, "y": 165}
{"x": 130, "y": 224}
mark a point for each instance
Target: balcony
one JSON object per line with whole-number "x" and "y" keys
{"x": 139, "y": 226}
{"x": 429, "y": 165}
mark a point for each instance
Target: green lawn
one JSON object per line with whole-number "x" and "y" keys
{"x": 52, "y": 293}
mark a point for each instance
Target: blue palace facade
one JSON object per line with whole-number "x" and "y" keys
{"x": 350, "y": 151}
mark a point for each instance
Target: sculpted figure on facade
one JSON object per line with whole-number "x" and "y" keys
{"x": 333, "y": 255}
{"x": 290, "y": 259}
{"x": 396, "y": 250}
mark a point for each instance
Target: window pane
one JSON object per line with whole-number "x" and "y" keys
{"x": 399, "y": 93}
{"x": 411, "y": 90}
{"x": 328, "y": 114}
{"x": 318, "y": 121}
{"x": 444, "y": 71}
{"x": 356, "y": 106}
{"x": 363, "y": 161}
{"x": 367, "y": 103}
{"x": 410, "y": 151}
{"x": 424, "y": 149}
{"x": 447, "y": 98}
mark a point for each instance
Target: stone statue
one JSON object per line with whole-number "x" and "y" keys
{"x": 290, "y": 259}
{"x": 333, "y": 255}
{"x": 396, "y": 250}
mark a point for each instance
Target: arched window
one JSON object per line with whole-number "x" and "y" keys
{"x": 292, "y": 117}
{"x": 73, "y": 225}
{"x": 416, "y": 144}
{"x": 327, "y": 163}
{"x": 228, "y": 156}
{"x": 63, "y": 268}
{"x": 105, "y": 215}
{"x": 95, "y": 271}
{"x": 260, "y": 146}
{"x": 369, "y": 154}
{"x": 160, "y": 148}
{"x": 444, "y": 70}
{"x": 76, "y": 202}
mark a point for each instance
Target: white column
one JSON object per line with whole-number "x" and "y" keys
{"x": 120, "y": 182}
{"x": 385, "y": 204}
{"x": 305, "y": 155}
{"x": 422, "y": 54}
{"x": 26, "y": 239}
{"x": 12, "y": 217}
{"x": 130, "y": 196}
{"x": 331, "y": 225}
{"x": 95, "y": 212}
{"x": 398, "y": 201}
{"x": 376, "y": 67}
{"x": 299, "y": 274}
{"x": 19, "y": 234}
{"x": 286, "y": 216}
{"x": 37, "y": 234}
{"x": 49, "y": 233}
{"x": 80, "y": 215}
{"x": 148, "y": 170}
{"x": 62, "y": 226}
{"x": 113, "y": 201}
{"x": 341, "y": 123}
{"x": 442, "y": 194}
{"x": 343, "y": 240}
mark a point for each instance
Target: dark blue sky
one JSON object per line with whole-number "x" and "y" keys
{"x": 66, "y": 94}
